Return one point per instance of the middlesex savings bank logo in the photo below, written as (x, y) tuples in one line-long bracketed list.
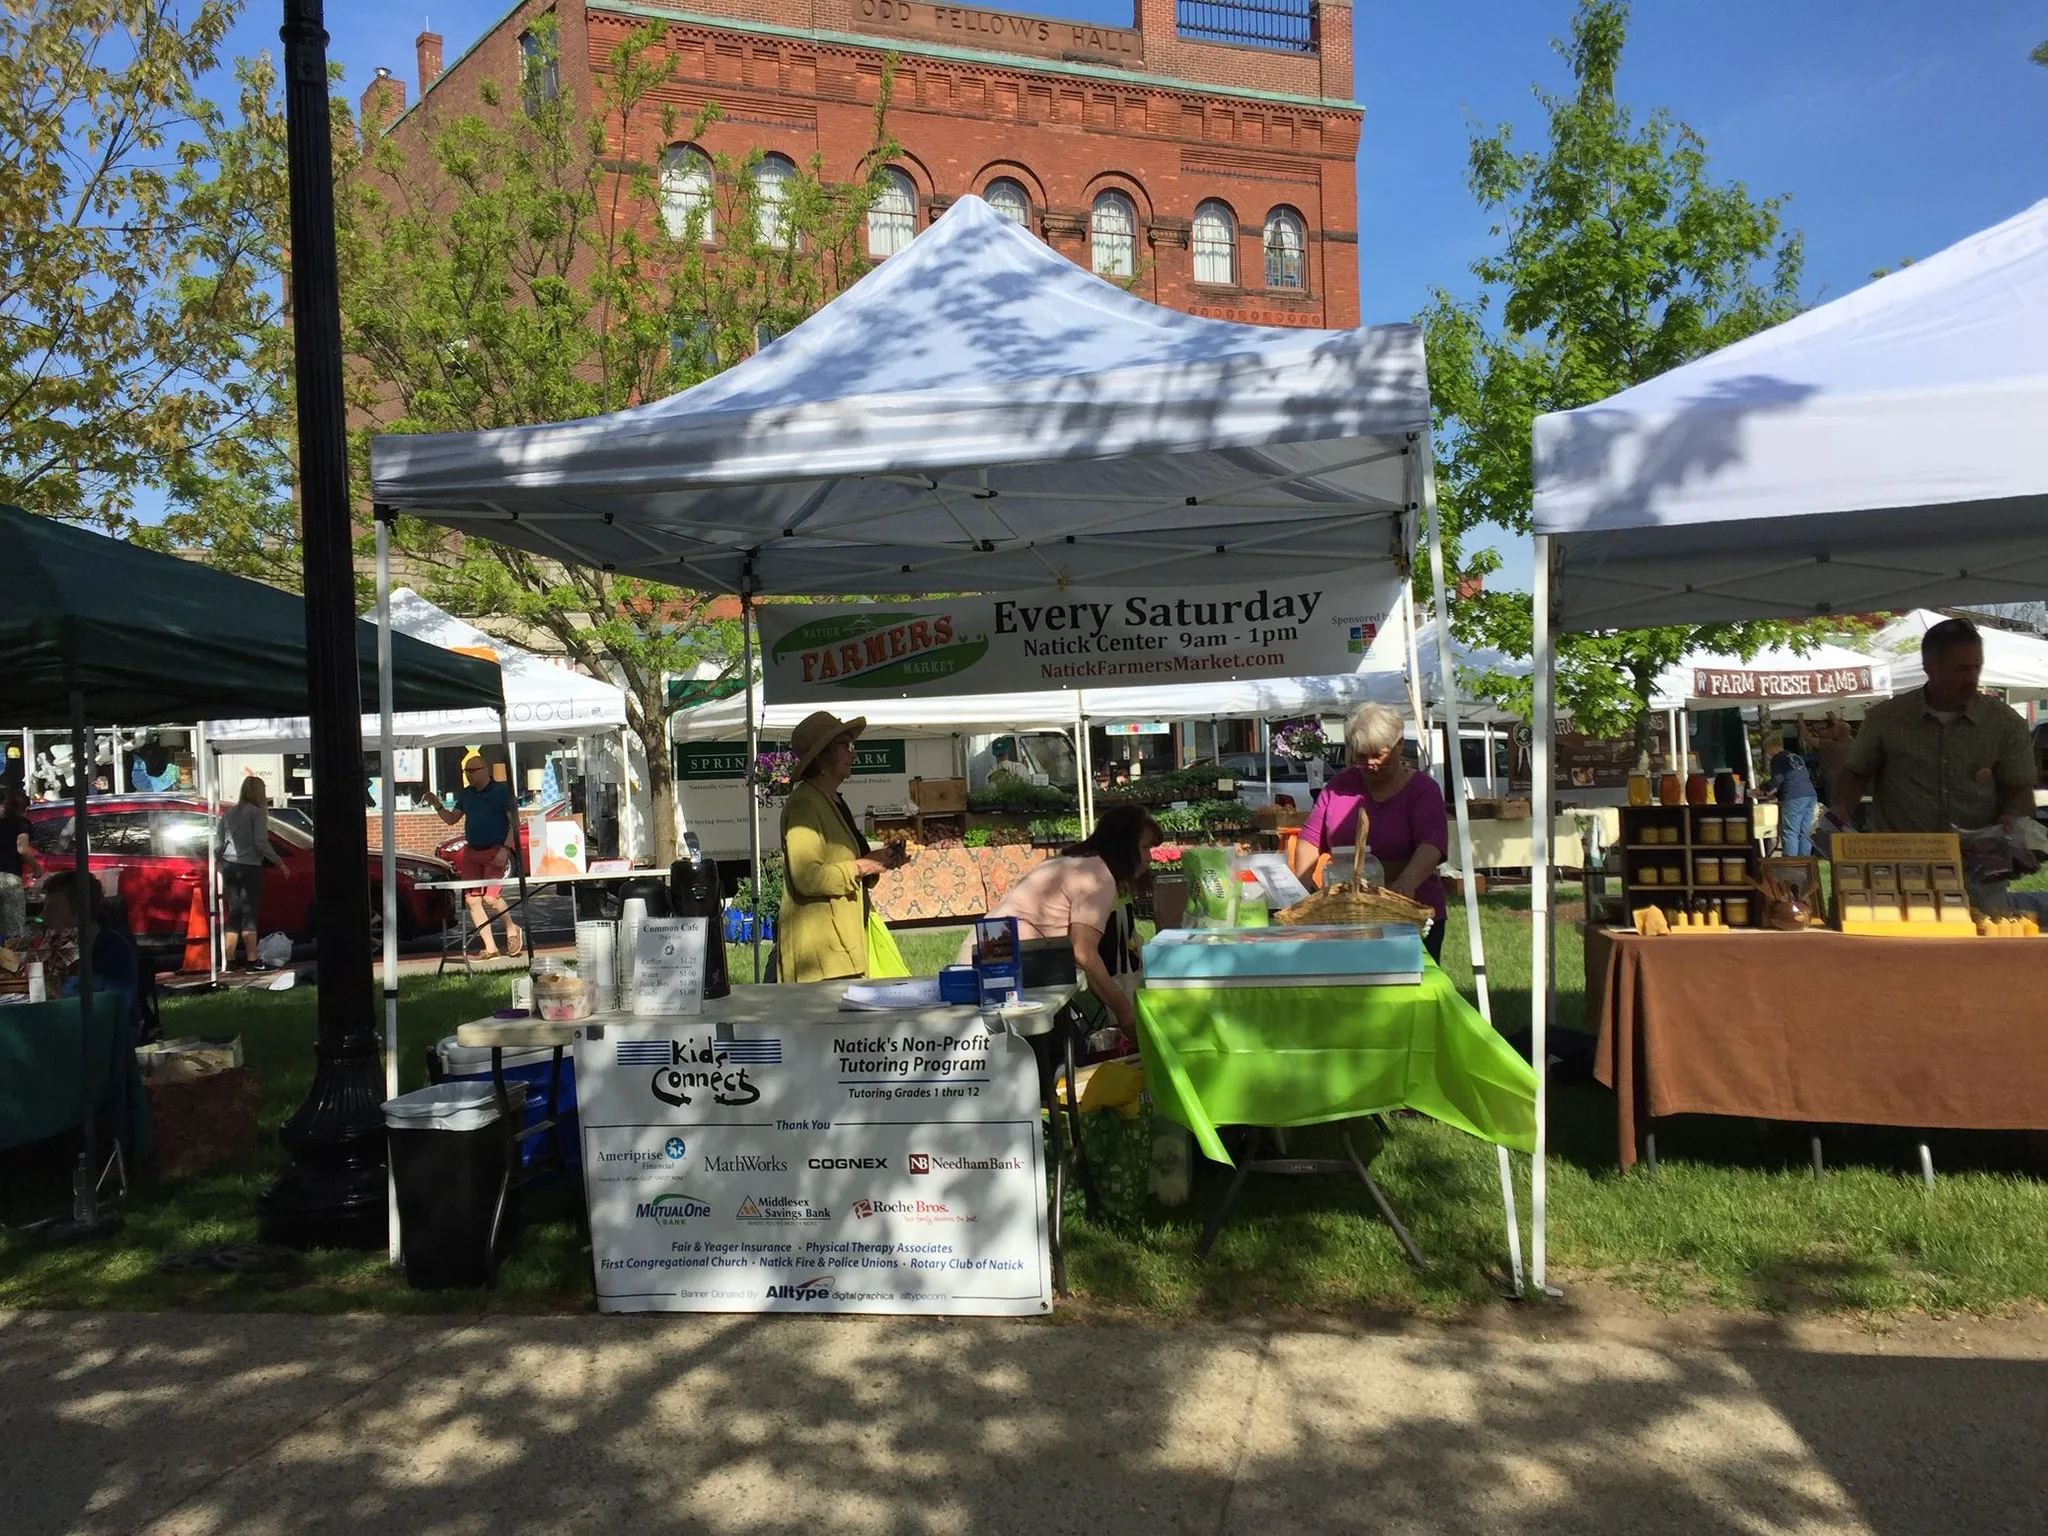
[(880, 650)]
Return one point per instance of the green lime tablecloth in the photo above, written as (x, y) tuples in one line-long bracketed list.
[(40, 1072), (1281, 1056)]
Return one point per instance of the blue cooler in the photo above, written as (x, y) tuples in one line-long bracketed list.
[(467, 1063)]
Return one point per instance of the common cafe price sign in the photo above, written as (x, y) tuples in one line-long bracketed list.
[(879, 1164), (1075, 637)]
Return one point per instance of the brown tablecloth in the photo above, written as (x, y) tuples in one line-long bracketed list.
[(1826, 1028)]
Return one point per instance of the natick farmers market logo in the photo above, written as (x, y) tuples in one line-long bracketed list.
[(880, 650)]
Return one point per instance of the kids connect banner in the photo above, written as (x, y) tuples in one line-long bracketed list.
[(1078, 637)]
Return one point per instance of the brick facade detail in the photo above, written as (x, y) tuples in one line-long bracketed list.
[(1070, 110)]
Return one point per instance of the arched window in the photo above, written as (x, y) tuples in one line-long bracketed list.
[(1286, 245), (1009, 199), (1113, 235), (686, 193), (892, 219), (772, 177), (1215, 242)]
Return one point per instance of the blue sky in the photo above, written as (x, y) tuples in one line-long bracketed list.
[(1895, 126)]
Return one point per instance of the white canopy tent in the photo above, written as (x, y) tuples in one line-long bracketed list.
[(976, 414), (2015, 662), (542, 700), (1886, 448)]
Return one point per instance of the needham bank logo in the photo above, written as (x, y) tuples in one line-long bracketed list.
[(672, 1210), (817, 1288), (721, 1065), (939, 1162), (880, 650)]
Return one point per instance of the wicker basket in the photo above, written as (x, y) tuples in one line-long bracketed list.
[(1354, 903)]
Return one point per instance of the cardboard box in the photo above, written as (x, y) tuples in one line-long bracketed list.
[(938, 795)]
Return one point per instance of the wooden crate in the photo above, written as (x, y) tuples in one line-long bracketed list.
[(1667, 838), (939, 795)]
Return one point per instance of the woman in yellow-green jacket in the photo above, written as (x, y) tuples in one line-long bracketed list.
[(828, 867)]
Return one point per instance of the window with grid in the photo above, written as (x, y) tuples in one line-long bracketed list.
[(686, 192), (771, 199), (1215, 243), (1009, 199), (892, 220), (1286, 247), (1113, 235), (540, 71)]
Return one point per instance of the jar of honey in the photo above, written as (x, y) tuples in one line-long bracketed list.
[(1706, 870), (1711, 828), (1670, 789), (1699, 789), (1735, 911)]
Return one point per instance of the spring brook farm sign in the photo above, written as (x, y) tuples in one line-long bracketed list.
[(1093, 637)]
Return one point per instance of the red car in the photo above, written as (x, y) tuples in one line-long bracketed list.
[(151, 851)]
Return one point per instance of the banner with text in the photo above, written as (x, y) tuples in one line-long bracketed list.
[(1081, 637), (886, 1164)]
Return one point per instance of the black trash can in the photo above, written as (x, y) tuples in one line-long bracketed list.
[(448, 1161)]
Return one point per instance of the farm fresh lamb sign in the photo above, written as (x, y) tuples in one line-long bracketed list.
[(1079, 637)]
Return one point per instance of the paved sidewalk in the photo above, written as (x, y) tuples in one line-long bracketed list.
[(181, 1423)]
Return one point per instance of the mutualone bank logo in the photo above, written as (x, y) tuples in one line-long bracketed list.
[(879, 650), (672, 1209), (720, 1065)]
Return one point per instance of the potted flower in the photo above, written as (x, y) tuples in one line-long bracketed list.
[(1303, 741), (770, 776)]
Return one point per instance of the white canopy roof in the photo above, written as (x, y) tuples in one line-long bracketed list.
[(1889, 447), (977, 413), (2015, 662), (542, 700), (1788, 679)]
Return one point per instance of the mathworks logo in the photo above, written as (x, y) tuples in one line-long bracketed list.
[(817, 1288), (672, 1210)]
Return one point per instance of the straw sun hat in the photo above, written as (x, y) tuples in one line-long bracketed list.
[(816, 733)]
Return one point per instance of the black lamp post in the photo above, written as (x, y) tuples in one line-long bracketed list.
[(333, 1195)]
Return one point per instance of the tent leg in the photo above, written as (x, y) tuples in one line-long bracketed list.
[(1545, 711), (1084, 754), (207, 770), (518, 821), (1447, 685), (1266, 742), (753, 757), (388, 806), (86, 1221)]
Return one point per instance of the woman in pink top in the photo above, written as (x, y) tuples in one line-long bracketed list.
[(1399, 812), (1074, 895)]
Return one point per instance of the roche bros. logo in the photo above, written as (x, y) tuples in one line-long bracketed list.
[(879, 650)]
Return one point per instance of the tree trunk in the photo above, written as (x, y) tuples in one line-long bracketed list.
[(647, 716)]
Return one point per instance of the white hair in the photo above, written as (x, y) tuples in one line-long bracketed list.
[(1372, 728)]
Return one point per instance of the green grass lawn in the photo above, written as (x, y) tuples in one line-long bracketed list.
[(1734, 1218)]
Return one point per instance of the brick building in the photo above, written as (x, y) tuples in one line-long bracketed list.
[(1205, 153)]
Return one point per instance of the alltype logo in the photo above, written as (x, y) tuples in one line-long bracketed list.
[(672, 1210), (817, 1288)]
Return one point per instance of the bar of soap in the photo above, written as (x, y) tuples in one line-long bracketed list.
[(1849, 877), (1884, 877), (1920, 909)]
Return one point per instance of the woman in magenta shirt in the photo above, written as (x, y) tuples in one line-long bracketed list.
[(1406, 826)]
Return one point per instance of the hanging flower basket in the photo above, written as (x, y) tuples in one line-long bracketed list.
[(770, 778), (1301, 742)]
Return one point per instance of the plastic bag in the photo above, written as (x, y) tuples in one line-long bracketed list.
[(275, 949), (1994, 854)]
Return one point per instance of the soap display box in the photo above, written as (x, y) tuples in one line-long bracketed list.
[(1382, 955)]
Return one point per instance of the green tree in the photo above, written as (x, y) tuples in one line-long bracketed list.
[(1619, 258), (505, 267), (128, 288)]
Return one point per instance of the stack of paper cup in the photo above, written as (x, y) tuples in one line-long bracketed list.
[(597, 944), (632, 913)]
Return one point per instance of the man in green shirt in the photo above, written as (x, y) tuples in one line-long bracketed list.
[(1944, 756)]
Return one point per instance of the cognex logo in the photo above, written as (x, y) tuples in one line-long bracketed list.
[(880, 650), (672, 1210), (817, 1288), (827, 1163)]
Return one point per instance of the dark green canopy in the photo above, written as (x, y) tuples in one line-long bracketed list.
[(150, 637)]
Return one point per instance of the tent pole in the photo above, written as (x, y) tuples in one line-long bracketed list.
[(1424, 469), (388, 807), (86, 1220), (1545, 711), (753, 757), (518, 824), (1425, 748), (1266, 742), (208, 770)]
